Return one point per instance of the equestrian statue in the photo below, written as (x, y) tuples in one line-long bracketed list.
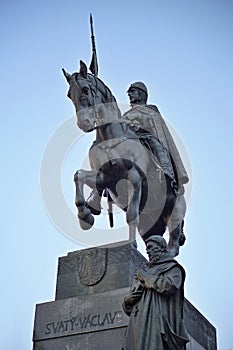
[(134, 159)]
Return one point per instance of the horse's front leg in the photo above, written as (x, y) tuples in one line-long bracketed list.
[(81, 178), (134, 198)]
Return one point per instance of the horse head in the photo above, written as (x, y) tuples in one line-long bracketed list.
[(94, 103)]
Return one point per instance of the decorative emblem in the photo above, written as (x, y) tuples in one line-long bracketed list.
[(92, 266)]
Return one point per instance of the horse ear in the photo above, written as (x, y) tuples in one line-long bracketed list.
[(83, 69), (67, 75)]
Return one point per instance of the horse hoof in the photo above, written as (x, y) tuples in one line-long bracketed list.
[(182, 239), (85, 225), (86, 220)]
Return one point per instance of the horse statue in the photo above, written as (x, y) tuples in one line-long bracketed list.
[(121, 166)]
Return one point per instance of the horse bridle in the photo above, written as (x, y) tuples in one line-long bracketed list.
[(94, 98), (98, 121)]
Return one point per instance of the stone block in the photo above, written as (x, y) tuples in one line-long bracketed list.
[(87, 312), (97, 270), (80, 315)]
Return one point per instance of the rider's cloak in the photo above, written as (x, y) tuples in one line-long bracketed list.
[(148, 118)]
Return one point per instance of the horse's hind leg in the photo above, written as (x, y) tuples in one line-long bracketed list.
[(134, 196), (175, 224)]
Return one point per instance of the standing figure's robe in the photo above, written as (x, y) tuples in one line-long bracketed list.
[(156, 318)]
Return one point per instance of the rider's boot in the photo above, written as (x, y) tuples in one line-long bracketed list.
[(162, 155), (94, 202)]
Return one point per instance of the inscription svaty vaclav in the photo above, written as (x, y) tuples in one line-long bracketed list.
[(77, 323)]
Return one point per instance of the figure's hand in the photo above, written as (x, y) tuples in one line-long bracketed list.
[(132, 298), (139, 275), (135, 126)]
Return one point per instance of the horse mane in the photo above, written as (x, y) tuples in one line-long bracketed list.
[(106, 94)]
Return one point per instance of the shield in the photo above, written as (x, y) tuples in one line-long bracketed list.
[(92, 266)]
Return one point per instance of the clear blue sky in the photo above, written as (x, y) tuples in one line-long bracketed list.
[(183, 51)]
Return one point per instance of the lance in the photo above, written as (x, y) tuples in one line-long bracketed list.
[(94, 64)]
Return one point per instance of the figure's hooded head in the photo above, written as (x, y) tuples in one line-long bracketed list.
[(156, 247), (138, 93)]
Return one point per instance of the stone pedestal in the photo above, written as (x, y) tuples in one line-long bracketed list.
[(87, 312)]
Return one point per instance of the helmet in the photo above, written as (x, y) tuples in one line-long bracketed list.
[(139, 85)]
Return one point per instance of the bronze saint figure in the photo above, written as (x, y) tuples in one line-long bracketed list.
[(155, 303)]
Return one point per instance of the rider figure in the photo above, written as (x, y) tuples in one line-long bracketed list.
[(149, 125), (152, 130)]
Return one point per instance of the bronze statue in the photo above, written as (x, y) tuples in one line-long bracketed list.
[(123, 151), (155, 303)]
